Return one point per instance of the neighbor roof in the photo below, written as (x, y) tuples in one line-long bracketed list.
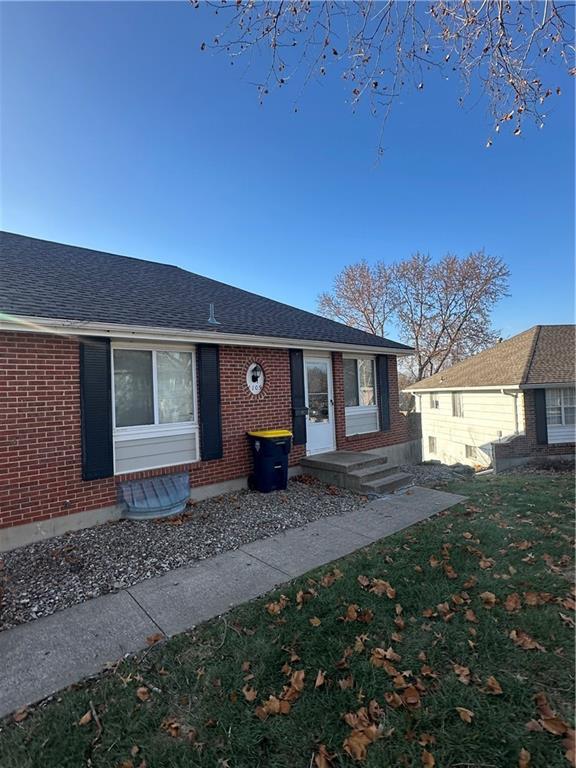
[(543, 354), (44, 279)]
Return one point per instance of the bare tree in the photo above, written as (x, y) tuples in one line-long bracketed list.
[(362, 297), (378, 47), (442, 309)]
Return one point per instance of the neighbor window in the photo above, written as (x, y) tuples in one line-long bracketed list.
[(359, 382), (471, 452), (457, 404), (434, 400), (560, 406), (152, 387), (431, 444)]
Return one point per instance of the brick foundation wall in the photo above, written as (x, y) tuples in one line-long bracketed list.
[(40, 432), (527, 445), (399, 431)]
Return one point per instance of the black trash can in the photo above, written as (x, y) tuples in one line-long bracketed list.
[(270, 449)]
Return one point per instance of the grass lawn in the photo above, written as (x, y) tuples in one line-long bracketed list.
[(471, 610)]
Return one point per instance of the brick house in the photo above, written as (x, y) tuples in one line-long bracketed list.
[(505, 406), (116, 369)]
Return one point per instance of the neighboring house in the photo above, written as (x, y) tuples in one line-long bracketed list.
[(508, 404), (117, 369)]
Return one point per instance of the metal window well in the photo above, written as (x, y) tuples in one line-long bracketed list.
[(155, 496)]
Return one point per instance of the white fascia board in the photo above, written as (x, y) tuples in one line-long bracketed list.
[(117, 331), (495, 388)]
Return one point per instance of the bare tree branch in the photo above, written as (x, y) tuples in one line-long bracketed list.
[(503, 48)]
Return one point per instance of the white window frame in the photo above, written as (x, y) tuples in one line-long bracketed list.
[(457, 411), (434, 401), (432, 440), (562, 406), (470, 451), (351, 410), (157, 429)]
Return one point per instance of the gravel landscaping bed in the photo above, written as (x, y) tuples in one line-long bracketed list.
[(433, 474), (42, 578)]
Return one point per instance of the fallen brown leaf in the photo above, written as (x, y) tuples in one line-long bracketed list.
[(462, 672), (275, 608), (411, 697), (143, 693), (86, 718), (493, 686), (380, 587), (554, 725), (513, 603), (488, 599), (322, 758), (155, 638), (427, 759), (465, 714), (523, 640), (524, 758), (250, 693), (315, 621)]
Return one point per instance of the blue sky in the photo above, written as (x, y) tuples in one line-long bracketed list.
[(119, 134)]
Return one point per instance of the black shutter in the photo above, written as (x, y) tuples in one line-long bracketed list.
[(383, 388), (540, 416), (96, 408), (208, 356), (299, 410)]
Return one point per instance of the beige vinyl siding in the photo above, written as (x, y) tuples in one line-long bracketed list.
[(154, 452), (486, 416), (361, 420)]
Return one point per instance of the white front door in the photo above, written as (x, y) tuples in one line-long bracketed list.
[(320, 403)]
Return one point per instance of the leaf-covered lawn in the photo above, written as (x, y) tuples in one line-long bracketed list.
[(450, 644)]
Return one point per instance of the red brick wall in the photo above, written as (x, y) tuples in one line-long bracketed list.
[(527, 444), (399, 431), (40, 440)]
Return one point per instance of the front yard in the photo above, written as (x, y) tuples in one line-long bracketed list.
[(450, 644)]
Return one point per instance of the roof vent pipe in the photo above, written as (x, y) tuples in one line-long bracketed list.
[(211, 319)]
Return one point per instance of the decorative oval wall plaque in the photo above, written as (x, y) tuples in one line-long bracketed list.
[(255, 378)]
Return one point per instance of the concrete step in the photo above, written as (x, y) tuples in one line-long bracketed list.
[(358, 477), (341, 462), (387, 484)]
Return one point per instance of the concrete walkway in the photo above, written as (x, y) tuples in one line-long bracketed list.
[(43, 656)]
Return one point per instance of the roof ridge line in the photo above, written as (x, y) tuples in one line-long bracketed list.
[(531, 355)]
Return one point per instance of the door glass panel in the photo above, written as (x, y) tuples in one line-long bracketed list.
[(317, 378), (317, 381), (133, 388)]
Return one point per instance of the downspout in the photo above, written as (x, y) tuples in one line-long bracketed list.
[(515, 396)]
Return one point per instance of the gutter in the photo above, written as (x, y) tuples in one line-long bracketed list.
[(30, 324)]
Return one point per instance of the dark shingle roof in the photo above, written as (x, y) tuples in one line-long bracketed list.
[(543, 354), (44, 279)]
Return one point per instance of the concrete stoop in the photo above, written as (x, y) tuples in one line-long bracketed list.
[(364, 472)]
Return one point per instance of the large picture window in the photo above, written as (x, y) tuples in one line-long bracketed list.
[(560, 406), (152, 387), (359, 382)]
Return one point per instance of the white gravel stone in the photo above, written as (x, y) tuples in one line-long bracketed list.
[(79, 565)]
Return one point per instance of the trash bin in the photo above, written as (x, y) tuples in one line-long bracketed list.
[(270, 449)]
